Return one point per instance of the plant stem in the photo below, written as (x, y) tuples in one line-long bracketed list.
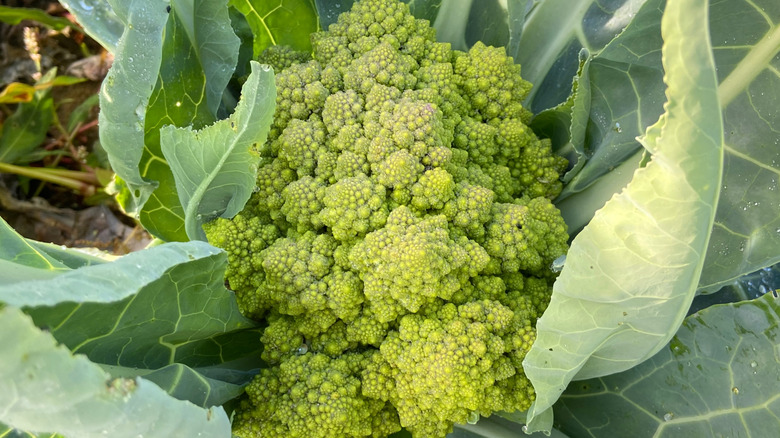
[(79, 181)]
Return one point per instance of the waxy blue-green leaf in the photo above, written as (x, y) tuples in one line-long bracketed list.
[(210, 40), (617, 94), (566, 125), (464, 22), (279, 22), (100, 283), (184, 383), (623, 85), (554, 33), (98, 20), (45, 388), (517, 10), (72, 258), (16, 251), (488, 22), (632, 273), (425, 9), (160, 306), (10, 432), (22, 259), (125, 93), (215, 167), (625, 82), (200, 52), (141, 93), (499, 426), (328, 11), (717, 377), (156, 312), (746, 46)]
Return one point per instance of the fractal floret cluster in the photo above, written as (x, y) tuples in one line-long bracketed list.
[(398, 245)]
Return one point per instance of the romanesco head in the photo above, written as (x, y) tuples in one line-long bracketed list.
[(399, 241)]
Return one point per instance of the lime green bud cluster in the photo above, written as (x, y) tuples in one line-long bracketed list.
[(398, 244)]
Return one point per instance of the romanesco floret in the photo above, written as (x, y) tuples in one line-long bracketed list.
[(303, 203), (272, 178), (282, 57), (397, 248), (412, 261), (300, 144), (291, 95), (447, 366), (309, 396), (492, 83), (353, 207), (525, 236), (478, 139), (243, 238), (432, 190), (294, 269)]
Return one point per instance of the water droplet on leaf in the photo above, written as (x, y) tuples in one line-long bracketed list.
[(557, 264)]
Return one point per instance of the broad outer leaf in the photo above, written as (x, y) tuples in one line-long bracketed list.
[(626, 82), (153, 311), (488, 22), (279, 22), (200, 66), (98, 20), (555, 32), (517, 10), (498, 426), (200, 52), (100, 283), (717, 377), (44, 388), (125, 93), (625, 92), (20, 252), (425, 9), (746, 236), (215, 167), (184, 383), (212, 43), (183, 314), (566, 124), (453, 21), (9, 432), (71, 257), (631, 274), (22, 259)]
